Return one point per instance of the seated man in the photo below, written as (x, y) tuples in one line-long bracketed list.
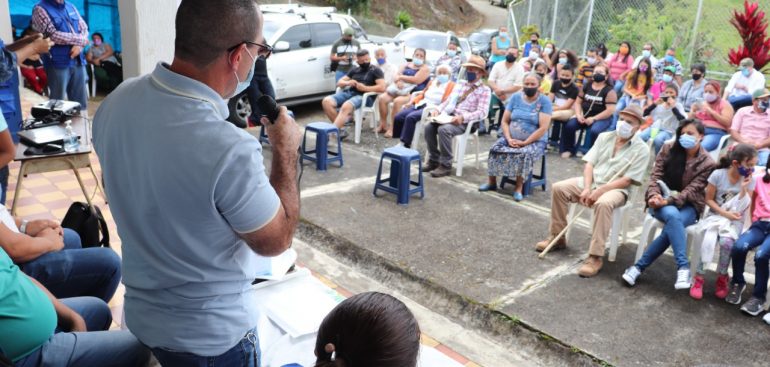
[(54, 256), (364, 78), (467, 104), (36, 329), (751, 125), (743, 82), (505, 79), (617, 160)]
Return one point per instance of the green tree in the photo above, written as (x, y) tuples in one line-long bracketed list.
[(403, 19), (355, 6)]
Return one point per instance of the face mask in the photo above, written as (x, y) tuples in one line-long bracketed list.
[(710, 98), (470, 76), (242, 85), (563, 60), (696, 76), (443, 78), (541, 75), (591, 60), (530, 92), (503, 35), (97, 42), (548, 50), (669, 59), (534, 42), (646, 54), (364, 65), (625, 130), (417, 61), (565, 81), (510, 58), (346, 40), (532, 55), (600, 77), (743, 171), (687, 141), (381, 61), (763, 106), (623, 50), (643, 68), (746, 72), (451, 52), (667, 78)]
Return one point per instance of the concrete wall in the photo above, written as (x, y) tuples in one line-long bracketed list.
[(147, 28)]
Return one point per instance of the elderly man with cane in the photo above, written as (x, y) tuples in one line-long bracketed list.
[(615, 162)]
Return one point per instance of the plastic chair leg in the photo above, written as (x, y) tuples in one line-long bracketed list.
[(460, 154), (357, 119), (617, 218)]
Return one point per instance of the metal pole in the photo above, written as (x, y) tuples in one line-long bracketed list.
[(588, 28), (515, 26), (529, 12), (694, 34), (553, 20)]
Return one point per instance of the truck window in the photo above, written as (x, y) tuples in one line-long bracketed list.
[(298, 37), (325, 34)]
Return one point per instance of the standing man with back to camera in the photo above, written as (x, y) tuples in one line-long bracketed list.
[(189, 192)]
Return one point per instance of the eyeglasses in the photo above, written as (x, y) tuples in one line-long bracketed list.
[(264, 50)]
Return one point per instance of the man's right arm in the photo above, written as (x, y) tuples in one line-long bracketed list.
[(22, 248), (43, 24)]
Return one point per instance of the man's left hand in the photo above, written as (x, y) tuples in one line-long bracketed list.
[(34, 227), (595, 195), (75, 51), (457, 119)]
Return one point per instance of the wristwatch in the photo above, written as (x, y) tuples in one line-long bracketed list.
[(23, 226)]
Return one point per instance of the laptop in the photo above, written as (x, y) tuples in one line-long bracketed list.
[(43, 135)]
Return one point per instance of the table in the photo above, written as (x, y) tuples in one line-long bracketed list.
[(58, 162)]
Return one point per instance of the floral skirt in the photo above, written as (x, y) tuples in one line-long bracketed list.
[(513, 162)]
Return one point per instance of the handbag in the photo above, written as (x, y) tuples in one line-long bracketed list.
[(88, 222)]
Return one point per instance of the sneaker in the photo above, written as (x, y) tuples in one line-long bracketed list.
[(696, 291), (753, 306), (631, 274), (517, 196), (561, 244), (682, 279), (736, 290), (566, 155), (442, 171), (722, 286), (487, 187), (430, 166), (591, 266), (766, 318), (343, 134)]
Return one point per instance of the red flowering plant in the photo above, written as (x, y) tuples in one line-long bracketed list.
[(752, 27)]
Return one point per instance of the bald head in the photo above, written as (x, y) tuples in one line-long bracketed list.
[(205, 29)]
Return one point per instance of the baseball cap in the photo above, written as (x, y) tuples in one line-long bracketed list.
[(760, 93), (349, 32)]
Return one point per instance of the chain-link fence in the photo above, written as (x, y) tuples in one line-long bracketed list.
[(699, 30)]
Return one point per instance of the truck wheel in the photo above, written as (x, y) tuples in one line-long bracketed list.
[(240, 110)]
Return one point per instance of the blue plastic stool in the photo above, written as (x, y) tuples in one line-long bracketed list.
[(321, 154), (399, 182), (532, 180)]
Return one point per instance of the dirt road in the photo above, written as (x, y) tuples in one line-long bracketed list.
[(494, 16)]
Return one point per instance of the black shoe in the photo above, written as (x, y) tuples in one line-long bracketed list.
[(753, 306), (343, 134), (430, 166), (442, 171)]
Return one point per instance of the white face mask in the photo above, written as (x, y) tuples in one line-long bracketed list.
[(624, 130)]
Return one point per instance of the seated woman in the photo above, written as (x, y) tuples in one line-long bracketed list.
[(525, 124), (657, 88), (369, 329), (716, 114), (666, 113), (32, 68), (638, 83), (549, 53), (566, 57), (437, 91), (692, 90), (107, 70), (684, 167), (541, 69), (412, 77)]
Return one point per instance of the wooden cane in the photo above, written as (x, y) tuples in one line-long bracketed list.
[(577, 215)]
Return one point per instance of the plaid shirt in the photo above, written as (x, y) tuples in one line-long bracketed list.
[(474, 107), (42, 23)]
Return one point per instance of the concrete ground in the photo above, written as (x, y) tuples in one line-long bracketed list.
[(469, 256)]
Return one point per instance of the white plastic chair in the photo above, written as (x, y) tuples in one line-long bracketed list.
[(421, 126), (650, 228), (460, 142), (723, 143), (360, 113)]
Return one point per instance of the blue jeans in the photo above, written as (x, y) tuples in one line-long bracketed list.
[(740, 101), (567, 143), (619, 87), (93, 348), (339, 75), (674, 234), (659, 140), (75, 271), (404, 124), (711, 139), (243, 354), (4, 173), (757, 235), (68, 83)]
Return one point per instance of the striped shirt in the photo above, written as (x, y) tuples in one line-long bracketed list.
[(42, 23)]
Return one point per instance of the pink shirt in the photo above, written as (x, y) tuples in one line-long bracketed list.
[(708, 120), (762, 205), (618, 66), (752, 126)]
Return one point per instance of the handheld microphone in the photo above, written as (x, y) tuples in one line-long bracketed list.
[(268, 107)]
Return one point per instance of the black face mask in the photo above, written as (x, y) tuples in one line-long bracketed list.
[(510, 58), (565, 81), (600, 77), (530, 92), (534, 42), (364, 65), (541, 75), (696, 76)]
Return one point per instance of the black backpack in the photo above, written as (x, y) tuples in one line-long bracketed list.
[(87, 223)]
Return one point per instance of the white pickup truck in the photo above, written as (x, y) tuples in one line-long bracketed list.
[(299, 67)]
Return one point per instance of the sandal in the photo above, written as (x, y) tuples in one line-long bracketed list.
[(388, 134), (377, 130)]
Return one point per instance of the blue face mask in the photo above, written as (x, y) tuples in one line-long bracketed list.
[(746, 72), (443, 78), (242, 85), (417, 61), (687, 141), (669, 59), (743, 171), (381, 61), (470, 76), (667, 78), (451, 52)]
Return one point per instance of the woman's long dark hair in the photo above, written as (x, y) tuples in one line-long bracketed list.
[(740, 153), (369, 330), (647, 73), (766, 177), (674, 167)]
